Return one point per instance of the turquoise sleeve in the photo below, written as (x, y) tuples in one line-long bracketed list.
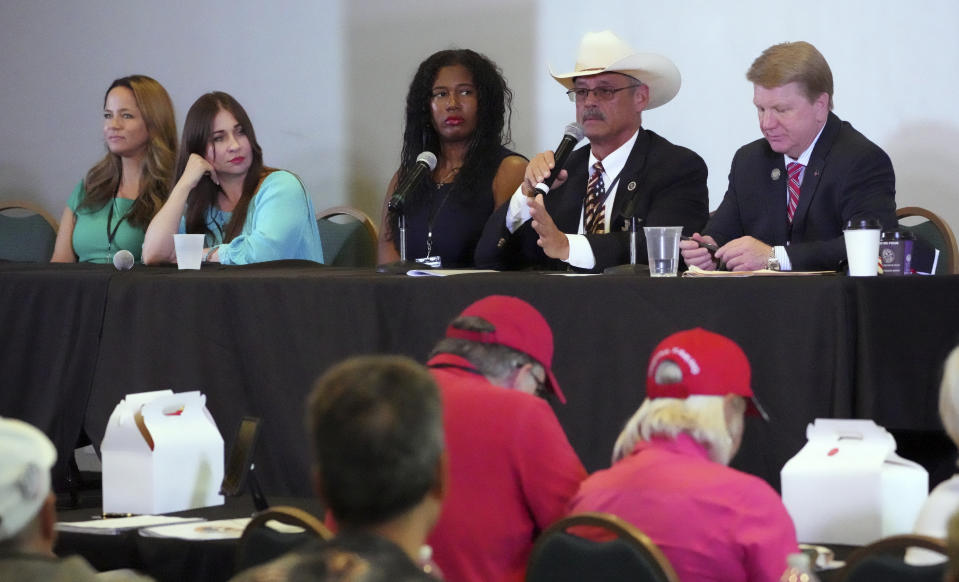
[(76, 197), (280, 224)]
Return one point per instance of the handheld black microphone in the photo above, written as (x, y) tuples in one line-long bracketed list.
[(425, 162), (123, 260), (574, 134)]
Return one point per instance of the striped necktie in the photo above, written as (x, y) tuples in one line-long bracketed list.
[(795, 171), (594, 214)]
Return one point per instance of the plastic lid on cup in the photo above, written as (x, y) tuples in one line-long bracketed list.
[(863, 224), (897, 234)]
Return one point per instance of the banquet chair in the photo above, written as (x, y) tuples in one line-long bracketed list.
[(882, 561), (27, 232), (597, 546), (936, 232), (348, 236), (261, 543)]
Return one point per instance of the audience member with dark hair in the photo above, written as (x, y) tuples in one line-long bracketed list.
[(377, 433), (670, 476), (249, 213), (28, 513), (112, 206), (458, 107), (512, 469)]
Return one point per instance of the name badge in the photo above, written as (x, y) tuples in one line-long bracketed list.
[(433, 261)]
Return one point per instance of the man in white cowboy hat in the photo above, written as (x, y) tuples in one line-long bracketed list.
[(792, 192), (28, 512), (625, 171)]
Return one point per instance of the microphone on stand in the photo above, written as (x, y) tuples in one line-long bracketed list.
[(633, 267), (574, 134), (425, 163)]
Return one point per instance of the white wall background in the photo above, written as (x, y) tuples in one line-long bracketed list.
[(324, 81)]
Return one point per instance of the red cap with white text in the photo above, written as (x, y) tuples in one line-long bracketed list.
[(711, 365)]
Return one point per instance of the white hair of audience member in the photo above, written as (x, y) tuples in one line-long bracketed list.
[(944, 499), (701, 417), (949, 396)]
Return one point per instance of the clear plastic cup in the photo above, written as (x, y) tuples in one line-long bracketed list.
[(662, 246), (189, 250)]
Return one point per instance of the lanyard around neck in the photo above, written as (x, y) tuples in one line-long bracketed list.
[(112, 234), (612, 185), (432, 212)]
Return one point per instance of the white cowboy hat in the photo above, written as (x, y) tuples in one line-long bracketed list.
[(604, 52)]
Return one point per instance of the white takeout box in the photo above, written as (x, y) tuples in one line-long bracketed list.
[(162, 452), (847, 485)]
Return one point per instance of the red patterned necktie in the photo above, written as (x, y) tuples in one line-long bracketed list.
[(594, 211), (795, 170)]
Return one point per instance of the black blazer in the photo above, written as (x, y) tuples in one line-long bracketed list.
[(665, 183), (848, 177)]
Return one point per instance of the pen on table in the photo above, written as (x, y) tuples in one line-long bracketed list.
[(112, 515)]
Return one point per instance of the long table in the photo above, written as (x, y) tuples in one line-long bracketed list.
[(77, 338)]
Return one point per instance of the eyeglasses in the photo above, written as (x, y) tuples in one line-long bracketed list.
[(542, 390), (601, 93)]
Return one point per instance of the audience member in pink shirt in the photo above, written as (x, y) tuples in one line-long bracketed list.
[(670, 476)]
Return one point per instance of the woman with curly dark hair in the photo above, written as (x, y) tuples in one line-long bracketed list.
[(458, 107), (111, 207)]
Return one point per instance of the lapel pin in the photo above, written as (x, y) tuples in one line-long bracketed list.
[(775, 174), (631, 186)]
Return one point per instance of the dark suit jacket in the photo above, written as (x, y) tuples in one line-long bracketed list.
[(665, 183), (848, 177)]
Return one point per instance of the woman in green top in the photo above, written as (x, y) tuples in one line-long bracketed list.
[(111, 207)]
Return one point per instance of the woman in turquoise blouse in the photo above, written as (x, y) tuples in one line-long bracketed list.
[(248, 212), (110, 208)]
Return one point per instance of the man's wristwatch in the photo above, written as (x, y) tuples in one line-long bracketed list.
[(772, 263)]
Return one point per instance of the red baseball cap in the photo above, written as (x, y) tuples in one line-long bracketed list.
[(711, 364), (518, 325)]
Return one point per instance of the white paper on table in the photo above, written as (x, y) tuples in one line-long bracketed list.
[(114, 525), (221, 529), (445, 272)]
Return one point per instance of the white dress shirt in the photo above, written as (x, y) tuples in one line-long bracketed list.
[(781, 255), (580, 253)]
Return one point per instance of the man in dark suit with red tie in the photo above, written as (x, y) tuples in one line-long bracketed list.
[(791, 193), (626, 170)]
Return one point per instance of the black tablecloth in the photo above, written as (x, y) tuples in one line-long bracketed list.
[(168, 559), (50, 323), (253, 339)]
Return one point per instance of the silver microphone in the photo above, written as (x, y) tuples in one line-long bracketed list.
[(123, 260)]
